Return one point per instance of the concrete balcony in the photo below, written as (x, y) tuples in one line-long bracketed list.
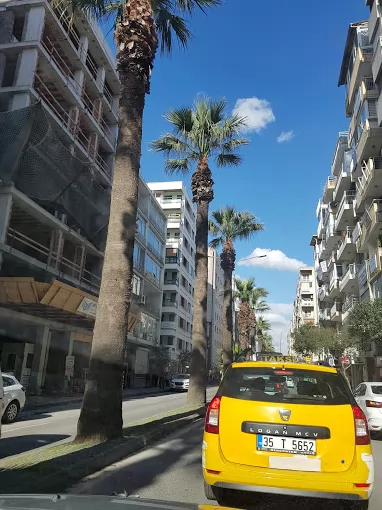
[(323, 293), (168, 325), (336, 312), (346, 250), (377, 60), (370, 142), (362, 67), (329, 188), (374, 267), (362, 275), (324, 315), (308, 321), (345, 211), (343, 183), (349, 282), (374, 18), (333, 236), (168, 303), (371, 224), (323, 271), (369, 184), (349, 304), (342, 145)]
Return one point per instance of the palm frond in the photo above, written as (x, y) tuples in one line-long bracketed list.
[(97, 8), (216, 242), (228, 160), (189, 5), (217, 109), (168, 143), (182, 120), (180, 165), (169, 25), (234, 144)]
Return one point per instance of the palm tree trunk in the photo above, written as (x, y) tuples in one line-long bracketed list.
[(227, 258), (101, 412), (260, 337), (201, 186), (244, 324)]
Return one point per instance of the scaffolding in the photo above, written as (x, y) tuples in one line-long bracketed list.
[(37, 162)]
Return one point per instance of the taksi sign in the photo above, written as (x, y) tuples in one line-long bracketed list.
[(277, 359)]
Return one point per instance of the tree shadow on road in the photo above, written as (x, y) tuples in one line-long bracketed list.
[(15, 445)]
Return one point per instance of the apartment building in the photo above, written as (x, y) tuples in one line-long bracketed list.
[(305, 310), (215, 296), (347, 246), (179, 270)]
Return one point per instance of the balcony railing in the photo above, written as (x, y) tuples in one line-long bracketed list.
[(349, 303), (368, 169), (155, 252), (172, 260), (369, 220), (152, 278), (169, 302), (19, 241), (335, 309), (139, 266), (74, 129), (171, 281), (374, 265), (172, 239), (362, 274), (324, 315), (168, 325), (330, 185), (323, 292)]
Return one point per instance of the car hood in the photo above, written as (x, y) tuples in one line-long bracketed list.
[(72, 502)]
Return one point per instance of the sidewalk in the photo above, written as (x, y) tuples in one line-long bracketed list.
[(38, 402)]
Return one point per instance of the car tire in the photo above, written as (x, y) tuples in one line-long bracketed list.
[(11, 412), (213, 493)]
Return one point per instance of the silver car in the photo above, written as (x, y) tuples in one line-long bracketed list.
[(14, 398), (180, 382)]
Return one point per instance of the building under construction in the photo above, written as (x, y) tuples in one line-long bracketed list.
[(58, 123)]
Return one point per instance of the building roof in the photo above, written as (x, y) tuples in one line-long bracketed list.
[(347, 53)]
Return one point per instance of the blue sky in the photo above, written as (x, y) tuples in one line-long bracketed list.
[(290, 58)]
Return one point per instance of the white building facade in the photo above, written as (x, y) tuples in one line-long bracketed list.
[(179, 270), (215, 296), (305, 310)]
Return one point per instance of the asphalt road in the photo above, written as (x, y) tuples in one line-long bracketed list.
[(171, 471), (57, 424)]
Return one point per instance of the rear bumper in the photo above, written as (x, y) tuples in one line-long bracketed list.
[(289, 492), (221, 473), (375, 424)]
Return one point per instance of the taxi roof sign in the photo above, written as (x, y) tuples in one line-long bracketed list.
[(275, 358)]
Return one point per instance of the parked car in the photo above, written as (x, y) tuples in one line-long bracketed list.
[(14, 398), (368, 396), (180, 382), (1, 399)]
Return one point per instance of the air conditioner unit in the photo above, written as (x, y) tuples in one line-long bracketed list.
[(143, 299)]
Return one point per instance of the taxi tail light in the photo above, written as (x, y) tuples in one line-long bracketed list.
[(212, 416), (362, 436), (373, 403)]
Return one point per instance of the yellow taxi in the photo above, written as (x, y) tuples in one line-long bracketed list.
[(277, 426)]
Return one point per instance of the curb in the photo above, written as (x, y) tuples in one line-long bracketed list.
[(113, 451), (76, 400)]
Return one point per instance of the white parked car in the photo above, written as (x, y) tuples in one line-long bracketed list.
[(368, 396), (14, 398), (180, 382)]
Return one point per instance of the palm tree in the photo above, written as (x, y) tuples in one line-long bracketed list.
[(228, 226), (141, 25), (258, 305), (268, 343), (263, 326), (201, 133), (243, 292)]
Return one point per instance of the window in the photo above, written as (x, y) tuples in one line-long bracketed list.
[(377, 390), (170, 340), (136, 285), (180, 344), (171, 317), (141, 226), (360, 391), (184, 282), (7, 381), (179, 197), (152, 268), (168, 197), (268, 385), (154, 244), (181, 322)]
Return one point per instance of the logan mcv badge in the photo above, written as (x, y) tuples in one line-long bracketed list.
[(285, 414)]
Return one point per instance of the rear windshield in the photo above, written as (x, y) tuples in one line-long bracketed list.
[(377, 390), (294, 386)]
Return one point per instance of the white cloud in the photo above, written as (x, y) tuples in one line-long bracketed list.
[(283, 308), (271, 259), (257, 112), (285, 136)]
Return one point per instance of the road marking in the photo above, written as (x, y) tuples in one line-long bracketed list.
[(5, 431)]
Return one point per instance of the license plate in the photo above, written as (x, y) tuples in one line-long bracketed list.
[(286, 445)]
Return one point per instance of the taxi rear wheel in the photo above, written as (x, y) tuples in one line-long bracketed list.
[(213, 493)]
